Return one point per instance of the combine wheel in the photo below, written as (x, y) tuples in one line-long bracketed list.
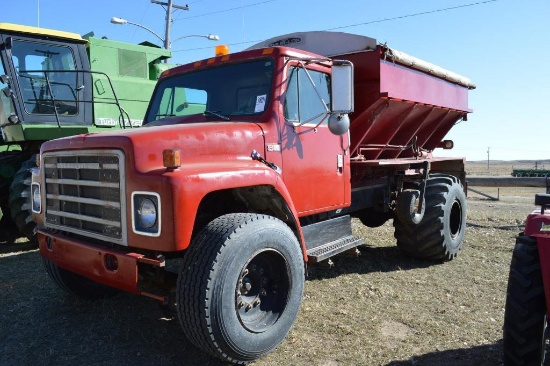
[(439, 235), (77, 285), (525, 333), (240, 286), (20, 199)]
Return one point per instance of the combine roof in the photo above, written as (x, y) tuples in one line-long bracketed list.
[(17, 28)]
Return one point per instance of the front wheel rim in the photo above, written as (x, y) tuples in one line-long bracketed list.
[(455, 219), (262, 290)]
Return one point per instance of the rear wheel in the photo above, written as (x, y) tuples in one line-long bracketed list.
[(240, 286), (20, 200), (525, 331), (439, 234), (77, 285), (372, 218)]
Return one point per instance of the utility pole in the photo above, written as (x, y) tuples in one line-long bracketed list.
[(488, 149), (169, 5)]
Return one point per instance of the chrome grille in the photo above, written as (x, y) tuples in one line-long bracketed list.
[(85, 193)]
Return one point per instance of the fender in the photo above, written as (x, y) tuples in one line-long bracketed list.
[(192, 182), (537, 225)]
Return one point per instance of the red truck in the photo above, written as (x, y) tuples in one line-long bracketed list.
[(250, 166)]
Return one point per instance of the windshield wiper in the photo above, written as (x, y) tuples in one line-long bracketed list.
[(216, 114)]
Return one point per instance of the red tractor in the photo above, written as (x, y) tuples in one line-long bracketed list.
[(526, 330)]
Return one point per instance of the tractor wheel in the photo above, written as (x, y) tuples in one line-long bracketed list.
[(525, 332), (20, 200), (240, 286), (439, 234), (77, 285)]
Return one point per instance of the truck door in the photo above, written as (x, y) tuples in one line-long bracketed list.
[(315, 161)]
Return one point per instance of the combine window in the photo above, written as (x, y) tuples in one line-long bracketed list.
[(45, 77), (6, 103)]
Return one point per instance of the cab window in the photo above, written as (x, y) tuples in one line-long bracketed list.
[(302, 103)]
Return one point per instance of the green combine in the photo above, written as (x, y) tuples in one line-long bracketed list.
[(56, 84)]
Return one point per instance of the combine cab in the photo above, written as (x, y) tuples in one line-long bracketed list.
[(56, 84)]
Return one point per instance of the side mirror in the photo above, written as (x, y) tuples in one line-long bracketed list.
[(338, 124), (342, 87)]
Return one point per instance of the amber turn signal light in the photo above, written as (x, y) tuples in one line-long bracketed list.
[(222, 50), (171, 158)]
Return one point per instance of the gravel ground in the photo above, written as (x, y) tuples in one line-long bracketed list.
[(377, 309)]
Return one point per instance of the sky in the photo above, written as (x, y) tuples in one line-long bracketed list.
[(503, 46)]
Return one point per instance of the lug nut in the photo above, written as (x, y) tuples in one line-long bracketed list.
[(248, 307), (263, 292), (257, 302), (240, 304)]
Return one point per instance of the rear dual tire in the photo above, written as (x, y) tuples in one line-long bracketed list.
[(439, 235)]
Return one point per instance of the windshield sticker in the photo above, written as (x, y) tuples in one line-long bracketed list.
[(260, 103)]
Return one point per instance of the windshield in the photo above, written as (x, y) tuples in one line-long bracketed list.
[(218, 92)]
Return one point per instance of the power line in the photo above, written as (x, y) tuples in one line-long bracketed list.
[(209, 48), (415, 14), (191, 3), (351, 25), (226, 10)]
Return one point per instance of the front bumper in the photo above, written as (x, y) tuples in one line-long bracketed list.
[(110, 267)]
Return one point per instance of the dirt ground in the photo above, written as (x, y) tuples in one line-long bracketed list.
[(381, 308)]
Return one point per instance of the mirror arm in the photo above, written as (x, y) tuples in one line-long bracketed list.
[(315, 88)]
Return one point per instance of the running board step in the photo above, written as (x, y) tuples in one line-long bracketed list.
[(330, 237), (328, 250)]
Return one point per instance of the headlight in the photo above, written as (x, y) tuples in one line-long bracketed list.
[(36, 199), (146, 213)]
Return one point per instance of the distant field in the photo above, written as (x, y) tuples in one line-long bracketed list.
[(503, 168)]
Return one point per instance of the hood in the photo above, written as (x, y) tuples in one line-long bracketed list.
[(198, 142)]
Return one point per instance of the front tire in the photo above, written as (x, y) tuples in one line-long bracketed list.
[(77, 285), (440, 233), (240, 286), (525, 330)]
